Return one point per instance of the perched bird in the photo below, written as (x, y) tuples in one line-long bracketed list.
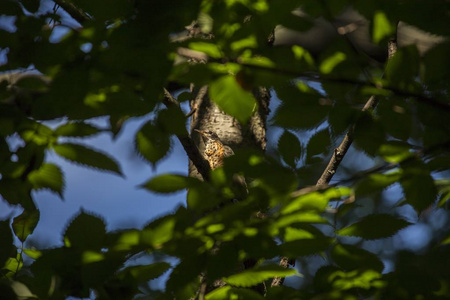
[(215, 153), (215, 150)]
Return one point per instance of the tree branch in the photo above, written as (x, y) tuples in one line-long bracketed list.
[(336, 158), (78, 14), (188, 144)]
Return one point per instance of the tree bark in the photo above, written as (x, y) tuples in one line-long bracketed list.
[(208, 116)]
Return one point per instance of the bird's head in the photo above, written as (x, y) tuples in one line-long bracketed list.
[(208, 135)]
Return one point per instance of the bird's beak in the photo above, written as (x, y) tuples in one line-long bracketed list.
[(200, 131)]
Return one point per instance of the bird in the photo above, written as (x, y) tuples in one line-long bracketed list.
[(215, 152)]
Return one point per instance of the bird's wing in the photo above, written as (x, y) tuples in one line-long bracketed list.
[(227, 151)]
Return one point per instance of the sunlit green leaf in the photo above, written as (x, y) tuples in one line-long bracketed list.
[(331, 62), (382, 28), (375, 183), (395, 151), (374, 227), (158, 232), (48, 176), (92, 158), (256, 275), (230, 97), (210, 49), (228, 292)]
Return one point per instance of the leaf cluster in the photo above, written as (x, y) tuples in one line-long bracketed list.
[(116, 66)]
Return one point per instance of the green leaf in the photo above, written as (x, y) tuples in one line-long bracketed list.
[(257, 275), (158, 232), (301, 107), (418, 186), (228, 292), (24, 224), (77, 129), (375, 183), (318, 144), (211, 49), (350, 257), (48, 176), (374, 227), (151, 143), (403, 68), (148, 272), (172, 120), (382, 28), (86, 232), (369, 134), (31, 5), (88, 157), (332, 61), (169, 183), (7, 249), (395, 151), (443, 186), (290, 148), (305, 247), (232, 99)]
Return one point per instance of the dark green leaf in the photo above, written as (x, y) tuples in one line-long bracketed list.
[(148, 272), (374, 227), (169, 183), (368, 134), (257, 275), (172, 120), (48, 176), (396, 118), (403, 67), (31, 5), (318, 144), (301, 108), (305, 247), (375, 183), (88, 157), (24, 224), (86, 232), (7, 249), (418, 186), (290, 148), (77, 129), (232, 99), (151, 143), (350, 257)]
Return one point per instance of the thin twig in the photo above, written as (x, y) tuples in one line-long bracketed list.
[(336, 158), (78, 14)]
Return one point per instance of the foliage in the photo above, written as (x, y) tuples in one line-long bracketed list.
[(116, 65)]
